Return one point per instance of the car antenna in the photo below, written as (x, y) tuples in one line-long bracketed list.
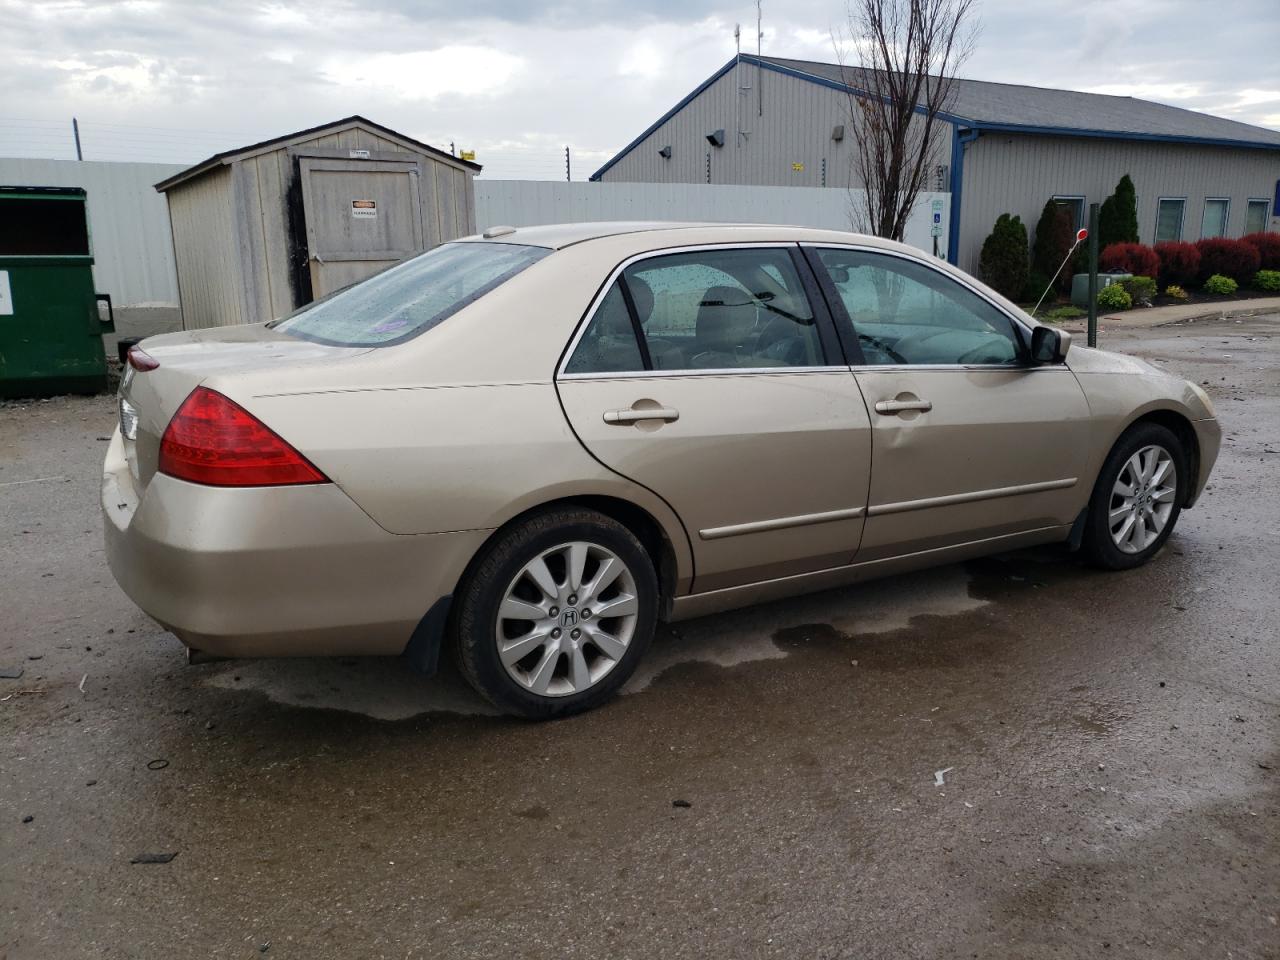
[(1081, 236)]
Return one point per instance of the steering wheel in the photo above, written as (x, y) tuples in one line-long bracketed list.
[(989, 351)]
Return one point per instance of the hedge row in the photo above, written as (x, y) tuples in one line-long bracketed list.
[(1194, 263), (1268, 247)]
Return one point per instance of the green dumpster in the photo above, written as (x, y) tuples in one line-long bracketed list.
[(50, 333)]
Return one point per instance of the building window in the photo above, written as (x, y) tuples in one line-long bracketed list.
[(1255, 216), (1214, 222), (1169, 212), (1076, 206)]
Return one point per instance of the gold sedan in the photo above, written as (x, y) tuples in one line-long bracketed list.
[(531, 446)]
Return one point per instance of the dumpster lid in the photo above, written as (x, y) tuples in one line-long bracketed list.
[(61, 193)]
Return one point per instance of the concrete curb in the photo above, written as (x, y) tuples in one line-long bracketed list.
[(1223, 315), (1146, 318)]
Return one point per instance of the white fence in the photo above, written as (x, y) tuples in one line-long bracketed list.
[(133, 252), (524, 203), (128, 222)]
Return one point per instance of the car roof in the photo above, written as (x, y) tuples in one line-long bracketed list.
[(607, 244), (558, 235)]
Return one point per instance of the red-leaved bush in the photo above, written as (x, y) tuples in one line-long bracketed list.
[(1135, 258), (1231, 258), (1179, 263), (1268, 247)]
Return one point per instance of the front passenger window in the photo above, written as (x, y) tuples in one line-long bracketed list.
[(908, 313)]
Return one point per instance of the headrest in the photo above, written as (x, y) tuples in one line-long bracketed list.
[(641, 296), (725, 317)]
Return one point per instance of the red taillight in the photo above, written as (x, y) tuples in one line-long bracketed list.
[(140, 360), (215, 441)]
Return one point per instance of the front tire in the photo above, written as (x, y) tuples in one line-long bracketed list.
[(557, 614), (1137, 499)]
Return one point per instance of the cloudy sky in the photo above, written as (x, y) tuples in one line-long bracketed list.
[(517, 80)]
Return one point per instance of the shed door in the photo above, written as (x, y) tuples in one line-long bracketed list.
[(362, 216)]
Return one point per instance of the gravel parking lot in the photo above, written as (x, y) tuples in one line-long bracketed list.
[(1017, 757)]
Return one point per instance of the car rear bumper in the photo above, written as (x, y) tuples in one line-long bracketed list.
[(272, 571)]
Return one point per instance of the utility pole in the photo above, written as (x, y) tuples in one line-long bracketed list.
[(75, 132), (567, 171)]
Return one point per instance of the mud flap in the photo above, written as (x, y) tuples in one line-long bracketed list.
[(423, 649), (1077, 531)]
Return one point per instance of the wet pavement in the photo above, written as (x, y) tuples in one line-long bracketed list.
[(1109, 742)]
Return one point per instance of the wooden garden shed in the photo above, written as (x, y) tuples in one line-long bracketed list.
[(267, 228)]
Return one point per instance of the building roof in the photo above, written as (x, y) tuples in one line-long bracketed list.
[(346, 123), (988, 104), (984, 105)]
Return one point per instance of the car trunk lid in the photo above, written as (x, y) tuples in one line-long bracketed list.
[(148, 399)]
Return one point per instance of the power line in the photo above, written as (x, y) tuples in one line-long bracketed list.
[(35, 138)]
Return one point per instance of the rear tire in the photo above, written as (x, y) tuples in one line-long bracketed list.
[(1137, 499), (556, 614)]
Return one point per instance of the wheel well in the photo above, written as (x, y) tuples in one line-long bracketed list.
[(423, 647), (636, 519), (1181, 428), (650, 534)]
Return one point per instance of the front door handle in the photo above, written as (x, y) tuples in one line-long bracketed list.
[(902, 406), (625, 417)]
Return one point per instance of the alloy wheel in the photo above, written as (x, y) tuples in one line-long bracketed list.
[(566, 619), (1142, 499)]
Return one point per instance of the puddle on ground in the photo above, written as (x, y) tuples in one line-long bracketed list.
[(386, 688), (744, 636)]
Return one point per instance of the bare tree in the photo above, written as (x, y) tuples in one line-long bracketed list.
[(907, 54)]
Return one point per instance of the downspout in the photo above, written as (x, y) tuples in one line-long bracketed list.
[(958, 142)]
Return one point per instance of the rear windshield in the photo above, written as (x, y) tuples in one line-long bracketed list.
[(410, 297)]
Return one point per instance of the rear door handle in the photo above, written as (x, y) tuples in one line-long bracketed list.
[(624, 417), (901, 406)]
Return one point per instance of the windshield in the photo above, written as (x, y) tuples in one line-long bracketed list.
[(410, 297)]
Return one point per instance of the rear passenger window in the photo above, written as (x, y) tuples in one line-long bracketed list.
[(609, 343), (706, 310)]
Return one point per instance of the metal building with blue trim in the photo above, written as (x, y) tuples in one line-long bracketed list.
[(1009, 148)]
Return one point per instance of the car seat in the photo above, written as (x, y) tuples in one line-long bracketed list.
[(725, 318)]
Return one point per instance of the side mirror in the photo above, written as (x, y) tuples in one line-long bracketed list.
[(1049, 345)]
